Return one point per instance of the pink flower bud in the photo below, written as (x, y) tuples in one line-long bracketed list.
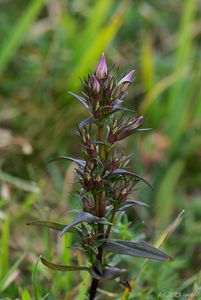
[(95, 84), (101, 70), (137, 122), (127, 79)]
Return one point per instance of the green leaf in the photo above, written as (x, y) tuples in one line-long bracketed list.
[(137, 249), (85, 217), (48, 224), (26, 295), (64, 268)]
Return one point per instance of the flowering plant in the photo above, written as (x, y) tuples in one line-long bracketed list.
[(105, 181)]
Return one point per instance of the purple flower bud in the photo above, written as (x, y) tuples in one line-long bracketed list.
[(127, 79), (95, 84), (111, 138), (87, 204), (123, 195), (129, 128), (101, 70), (137, 122)]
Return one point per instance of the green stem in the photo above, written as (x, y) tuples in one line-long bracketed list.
[(110, 226)]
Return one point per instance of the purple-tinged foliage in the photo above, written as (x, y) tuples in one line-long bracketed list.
[(105, 182), (119, 130)]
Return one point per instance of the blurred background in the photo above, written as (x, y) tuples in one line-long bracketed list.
[(45, 46)]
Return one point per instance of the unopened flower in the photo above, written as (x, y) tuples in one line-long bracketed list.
[(127, 78), (120, 131), (95, 84), (124, 83), (88, 205), (101, 70), (123, 195)]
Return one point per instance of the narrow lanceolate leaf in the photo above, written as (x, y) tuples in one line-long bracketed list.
[(130, 203), (64, 268), (85, 217), (137, 249), (81, 99), (110, 273), (54, 226), (48, 224), (79, 162), (86, 121), (124, 172), (143, 129)]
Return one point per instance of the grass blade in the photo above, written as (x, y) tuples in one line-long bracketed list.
[(5, 247), (164, 201), (16, 36), (8, 278)]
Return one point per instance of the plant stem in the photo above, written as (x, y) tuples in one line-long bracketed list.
[(101, 195), (100, 211), (110, 226)]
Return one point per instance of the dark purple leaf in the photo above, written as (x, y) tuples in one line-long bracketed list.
[(117, 102), (85, 122), (137, 249), (130, 203), (79, 162), (110, 273), (81, 99), (85, 217), (53, 225), (118, 172)]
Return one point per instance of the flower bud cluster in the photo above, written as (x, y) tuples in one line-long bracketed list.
[(118, 193), (102, 175), (103, 92), (121, 129), (89, 148), (103, 97)]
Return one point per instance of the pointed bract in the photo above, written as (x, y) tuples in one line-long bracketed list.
[(127, 78), (95, 84), (101, 70)]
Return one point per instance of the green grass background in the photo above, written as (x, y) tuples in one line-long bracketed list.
[(45, 46)]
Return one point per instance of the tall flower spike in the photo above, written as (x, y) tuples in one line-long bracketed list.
[(101, 70), (105, 184)]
